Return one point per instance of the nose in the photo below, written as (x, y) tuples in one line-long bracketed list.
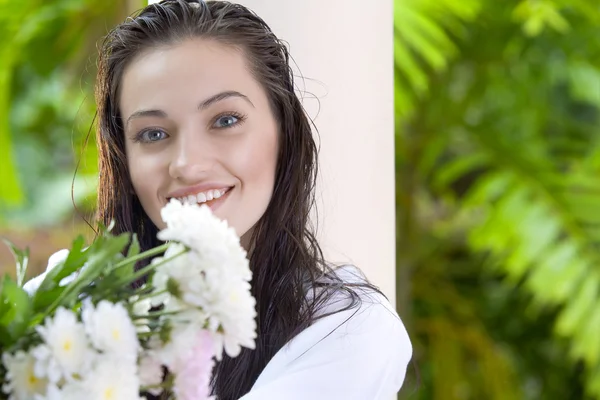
[(192, 157)]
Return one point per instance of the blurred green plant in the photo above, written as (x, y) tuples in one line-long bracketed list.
[(424, 44), (497, 157), (46, 105)]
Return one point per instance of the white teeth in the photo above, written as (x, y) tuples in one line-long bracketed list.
[(203, 197)]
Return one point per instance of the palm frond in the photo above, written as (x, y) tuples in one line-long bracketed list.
[(512, 127), (543, 229), (425, 34)]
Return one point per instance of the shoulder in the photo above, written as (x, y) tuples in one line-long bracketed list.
[(370, 304), (373, 315), (360, 352), (373, 326)]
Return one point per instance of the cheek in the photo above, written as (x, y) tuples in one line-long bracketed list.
[(145, 179), (140, 185), (261, 164), (254, 164), (136, 174)]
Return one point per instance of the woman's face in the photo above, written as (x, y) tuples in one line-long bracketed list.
[(198, 127)]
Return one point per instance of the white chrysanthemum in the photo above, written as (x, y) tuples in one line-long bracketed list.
[(227, 303), (151, 373), (178, 275), (210, 238), (214, 276), (181, 340), (235, 314), (141, 308), (230, 309), (110, 329), (22, 383), (112, 379), (65, 350), (70, 391)]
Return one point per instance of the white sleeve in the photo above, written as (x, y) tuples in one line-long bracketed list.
[(359, 354)]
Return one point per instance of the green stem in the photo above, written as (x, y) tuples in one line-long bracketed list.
[(144, 271), (148, 253), (142, 289), (150, 387), (149, 295), (146, 334), (155, 314), (167, 384)]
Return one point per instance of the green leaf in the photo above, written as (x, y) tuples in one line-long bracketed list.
[(537, 234), (105, 251), (21, 260), (584, 79), (43, 299), (578, 308), (488, 188), (589, 338), (536, 15), (423, 44), (50, 287), (556, 273), (432, 151), (134, 250), (584, 205), (10, 190), (460, 167), (410, 69), (593, 381), (129, 268), (427, 39), (15, 311)]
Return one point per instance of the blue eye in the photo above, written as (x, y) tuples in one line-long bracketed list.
[(151, 135), (227, 120)]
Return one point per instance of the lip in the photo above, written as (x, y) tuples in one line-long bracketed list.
[(203, 187), (216, 203)]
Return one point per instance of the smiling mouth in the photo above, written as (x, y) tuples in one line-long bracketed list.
[(208, 197)]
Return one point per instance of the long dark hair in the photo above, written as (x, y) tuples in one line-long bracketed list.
[(285, 258)]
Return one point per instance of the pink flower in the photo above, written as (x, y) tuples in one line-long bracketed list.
[(193, 370)]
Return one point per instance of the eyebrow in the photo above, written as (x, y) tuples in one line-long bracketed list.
[(222, 96), (203, 105)]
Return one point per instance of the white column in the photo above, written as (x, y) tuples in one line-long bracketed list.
[(344, 49)]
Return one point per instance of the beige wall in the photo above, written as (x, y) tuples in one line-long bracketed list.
[(344, 49)]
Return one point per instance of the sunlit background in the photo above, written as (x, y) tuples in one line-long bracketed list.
[(497, 189)]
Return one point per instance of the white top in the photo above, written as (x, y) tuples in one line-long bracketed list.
[(357, 354)]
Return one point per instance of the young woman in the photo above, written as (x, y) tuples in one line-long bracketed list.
[(196, 101)]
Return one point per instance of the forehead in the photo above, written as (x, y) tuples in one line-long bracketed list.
[(184, 73)]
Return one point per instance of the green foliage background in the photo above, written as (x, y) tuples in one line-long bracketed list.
[(497, 108), (497, 165)]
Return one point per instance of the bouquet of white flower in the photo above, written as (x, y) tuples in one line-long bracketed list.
[(99, 337)]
